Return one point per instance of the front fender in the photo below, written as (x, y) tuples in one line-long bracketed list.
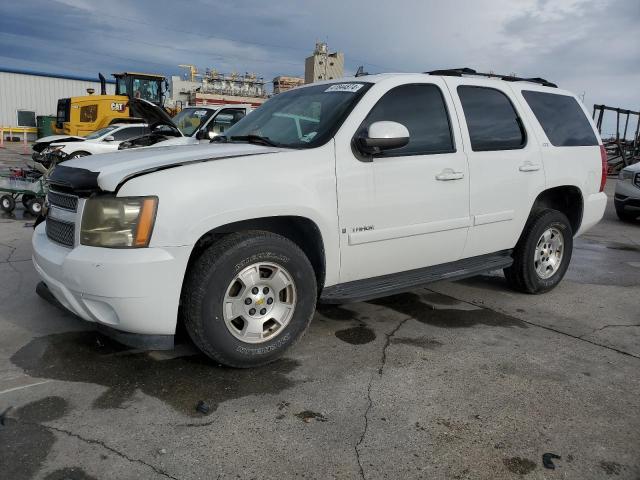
[(195, 199)]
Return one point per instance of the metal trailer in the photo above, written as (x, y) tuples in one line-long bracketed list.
[(26, 185), (621, 152)]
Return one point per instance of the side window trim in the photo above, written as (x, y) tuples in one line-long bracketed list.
[(454, 148), (521, 126)]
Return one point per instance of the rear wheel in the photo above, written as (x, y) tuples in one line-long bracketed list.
[(543, 253), (26, 198), (248, 298), (35, 206), (7, 203)]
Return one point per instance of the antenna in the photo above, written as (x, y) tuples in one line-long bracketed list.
[(361, 72)]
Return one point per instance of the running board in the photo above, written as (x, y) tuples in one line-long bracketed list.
[(370, 288)]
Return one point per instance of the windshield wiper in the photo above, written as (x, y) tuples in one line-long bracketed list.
[(257, 139)]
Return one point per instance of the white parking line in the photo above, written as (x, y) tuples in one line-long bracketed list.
[(24, 386)]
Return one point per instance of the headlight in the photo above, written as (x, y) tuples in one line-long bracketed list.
[(118, 222), (626, 175)]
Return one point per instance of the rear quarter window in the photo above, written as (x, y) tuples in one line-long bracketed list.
[(492, 120), (561, 118)]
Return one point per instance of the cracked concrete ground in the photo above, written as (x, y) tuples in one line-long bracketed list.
[(459, 380)]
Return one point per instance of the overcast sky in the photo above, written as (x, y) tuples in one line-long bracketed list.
[(590, 46)]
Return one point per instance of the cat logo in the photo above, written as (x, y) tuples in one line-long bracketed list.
[(118, 106)]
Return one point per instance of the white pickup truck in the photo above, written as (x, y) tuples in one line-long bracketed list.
[(335, 192)]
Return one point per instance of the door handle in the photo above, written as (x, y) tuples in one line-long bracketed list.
[(529, 167), (448, 174)]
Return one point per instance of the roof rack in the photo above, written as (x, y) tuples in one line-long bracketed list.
[(459, 72)]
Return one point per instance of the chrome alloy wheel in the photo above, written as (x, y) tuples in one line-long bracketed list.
[(549, 252), (259, 302)]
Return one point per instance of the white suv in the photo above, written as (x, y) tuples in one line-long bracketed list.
[(335, 191), (627, 196)]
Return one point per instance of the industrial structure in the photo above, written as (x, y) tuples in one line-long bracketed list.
[(25, 95), (323, 65), (283, 83), (216, 88), (622, 151)]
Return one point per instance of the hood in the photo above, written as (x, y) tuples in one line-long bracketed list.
[(44, 142), (154, 115), (633, 168), (108, 171)]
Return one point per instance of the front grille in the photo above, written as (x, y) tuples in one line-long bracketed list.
[(636, 180), (63, 200), (60, 232)]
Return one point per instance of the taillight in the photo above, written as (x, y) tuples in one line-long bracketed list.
[(605, 166)]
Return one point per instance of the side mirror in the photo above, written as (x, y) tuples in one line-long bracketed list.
[(201, 134), (108, 138), (212, 134), (382, 136)]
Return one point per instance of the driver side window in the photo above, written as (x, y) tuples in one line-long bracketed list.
[(128, 132), (225, 119), (420, 108)]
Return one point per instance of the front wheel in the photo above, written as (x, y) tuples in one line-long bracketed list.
[(7, 203), (543, 253), (78, 155), (248, 298), (624, 215)]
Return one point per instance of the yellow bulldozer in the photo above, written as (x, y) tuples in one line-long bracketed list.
[(83, 115)]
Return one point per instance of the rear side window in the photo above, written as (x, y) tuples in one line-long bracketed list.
[(561, 118), (492, 120), (421, 109)]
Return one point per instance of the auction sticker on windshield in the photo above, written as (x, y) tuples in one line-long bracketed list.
[(345, 87)]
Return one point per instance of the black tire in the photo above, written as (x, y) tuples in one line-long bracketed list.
[(522, 275), (26, 197), (7, 203), (35, 206), (78, 155), (624, 215), (206, 284)]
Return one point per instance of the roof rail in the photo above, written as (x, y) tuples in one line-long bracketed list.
[(459, 72)]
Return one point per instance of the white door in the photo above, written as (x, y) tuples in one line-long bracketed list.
[(406, 208), (505, 165), (119, 136)]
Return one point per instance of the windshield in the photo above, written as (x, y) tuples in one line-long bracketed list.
[(100, 133), (190, 120), (302, 118), (146, 89)]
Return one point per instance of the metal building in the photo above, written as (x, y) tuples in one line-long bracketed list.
[(25, 94), (323, 65)]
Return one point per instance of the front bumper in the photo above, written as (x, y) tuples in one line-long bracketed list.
[(133, 291), (627, 196)]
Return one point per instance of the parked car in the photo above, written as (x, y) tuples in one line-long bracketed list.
[(337, 191), (627, 196), (102, 141), (192, 125)]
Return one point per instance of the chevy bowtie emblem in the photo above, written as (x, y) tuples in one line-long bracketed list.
[(260, 301)]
